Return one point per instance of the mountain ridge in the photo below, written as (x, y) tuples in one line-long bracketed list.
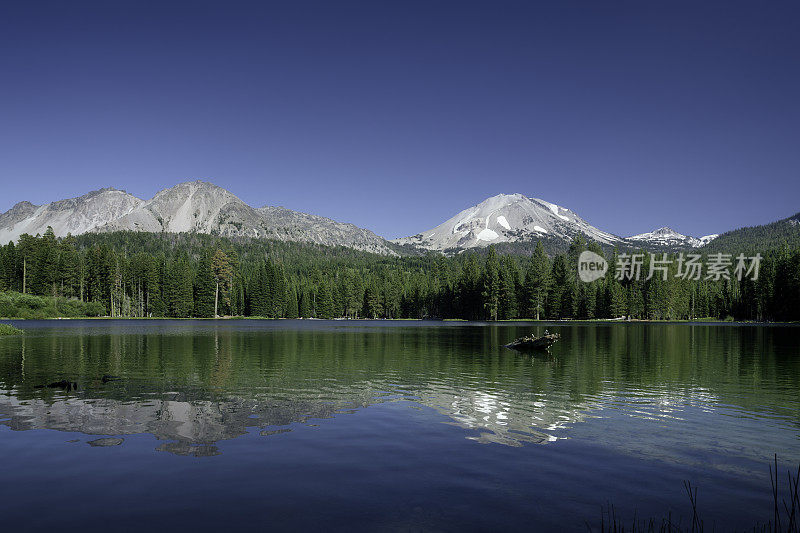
[(72, 215), (192, 206), (669, 238), (514, 222)]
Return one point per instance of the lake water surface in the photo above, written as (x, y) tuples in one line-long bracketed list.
[(390, 426)]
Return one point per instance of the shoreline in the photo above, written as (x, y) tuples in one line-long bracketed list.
[(532, 321)]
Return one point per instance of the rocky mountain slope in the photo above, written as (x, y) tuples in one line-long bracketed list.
[(76, 215), (287, 225), (669, 238), (194, 206), (513, 222), (507, 218)]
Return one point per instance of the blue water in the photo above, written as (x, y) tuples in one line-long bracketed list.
[(343, 426)]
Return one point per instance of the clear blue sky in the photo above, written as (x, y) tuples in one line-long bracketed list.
[(396, 115)]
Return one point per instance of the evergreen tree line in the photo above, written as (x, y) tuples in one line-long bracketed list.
[(190, 275)]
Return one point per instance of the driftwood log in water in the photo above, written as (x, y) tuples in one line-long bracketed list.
[(532, 342)]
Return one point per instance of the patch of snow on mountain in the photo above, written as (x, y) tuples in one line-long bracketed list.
[(487, 235), (554, 208), (503, 222), (708, 238), (540, 229)]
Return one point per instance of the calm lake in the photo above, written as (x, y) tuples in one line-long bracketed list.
[(387, 426)]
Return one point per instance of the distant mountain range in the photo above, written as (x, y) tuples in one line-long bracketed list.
[(514, 222), (194, 206), (669, 238), (516, 218)]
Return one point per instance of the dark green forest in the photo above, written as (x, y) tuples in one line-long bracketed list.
[(750, 239), (129, 274)]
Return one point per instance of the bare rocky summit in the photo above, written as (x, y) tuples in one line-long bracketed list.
[(75, 215), (195, 206), (203, 207)]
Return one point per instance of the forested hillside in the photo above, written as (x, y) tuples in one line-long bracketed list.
[(192, 275), (774, 236)]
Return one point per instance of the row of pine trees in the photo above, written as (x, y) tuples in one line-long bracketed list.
[(151, 275)]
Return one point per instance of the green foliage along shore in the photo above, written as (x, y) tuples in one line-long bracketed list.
[(129, 274), (6, 329), (17, 305)]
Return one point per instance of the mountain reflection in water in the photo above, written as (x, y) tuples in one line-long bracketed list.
[(195, 384)]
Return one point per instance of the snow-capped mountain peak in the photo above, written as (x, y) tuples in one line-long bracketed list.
[(202, 207), (668, 237), (662, 233), (708, 238), (507, 218)]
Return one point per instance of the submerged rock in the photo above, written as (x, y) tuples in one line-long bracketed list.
[(106, 441), (188, 449), (63, 384), (268, 432)]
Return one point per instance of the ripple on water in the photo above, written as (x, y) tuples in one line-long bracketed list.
[(610, 406)]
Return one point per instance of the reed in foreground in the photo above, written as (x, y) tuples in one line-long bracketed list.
[(785, 513)]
